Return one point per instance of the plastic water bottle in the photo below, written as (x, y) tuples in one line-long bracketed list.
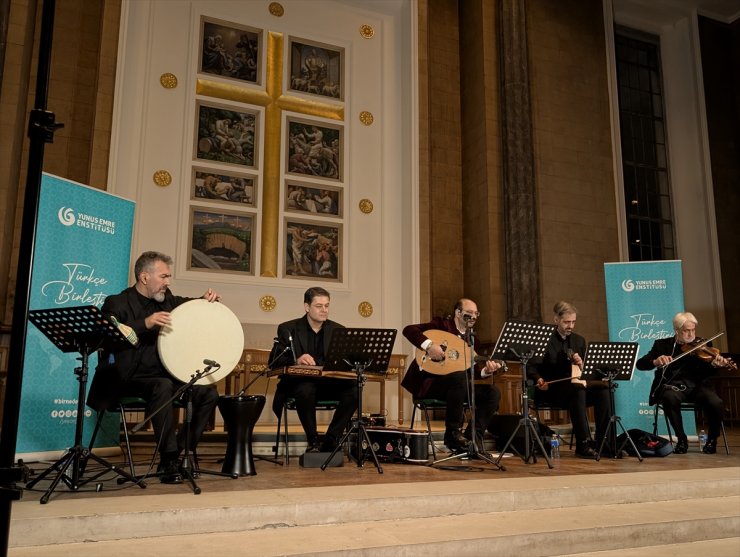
[(702, 439), (554, 447)]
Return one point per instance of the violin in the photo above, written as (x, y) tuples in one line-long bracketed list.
[(705, 353)]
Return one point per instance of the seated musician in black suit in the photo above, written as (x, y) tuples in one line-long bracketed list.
[(137, 371), (553, 384), (686, 380), (304, 342)]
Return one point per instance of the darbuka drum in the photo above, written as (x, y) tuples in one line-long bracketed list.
[(240, 415), (201, 330)]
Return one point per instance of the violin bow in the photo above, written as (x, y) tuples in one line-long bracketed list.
[(695, 348)]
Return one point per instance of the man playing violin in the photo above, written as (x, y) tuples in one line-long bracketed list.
[(452, 388), (564, 350), (685, 380)]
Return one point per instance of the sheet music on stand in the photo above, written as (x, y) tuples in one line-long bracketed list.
[(607, 362), (610, 358), (517, 337), (363, 351), (349, 346), (524, 340), (67, 328)]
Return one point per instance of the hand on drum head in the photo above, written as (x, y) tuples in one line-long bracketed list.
[(158, 319), (211, 296)]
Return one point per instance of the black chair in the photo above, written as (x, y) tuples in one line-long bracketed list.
[(132, 404), (425, 405), (547, 407), (124, 404), (686, 406), (289, 404)]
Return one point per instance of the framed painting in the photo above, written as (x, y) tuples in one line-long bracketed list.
[(226, 135), (225, 186), (313, 251), (320, 200), (316, 69), (230, 50), (221, 241), (315, 149)]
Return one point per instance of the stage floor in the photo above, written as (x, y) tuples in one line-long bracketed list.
[(273, 476)]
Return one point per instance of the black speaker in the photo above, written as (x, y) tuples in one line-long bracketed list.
[(503, 425)]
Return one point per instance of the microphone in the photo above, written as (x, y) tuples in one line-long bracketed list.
[(292, 348), (467, 317), (211, 363)]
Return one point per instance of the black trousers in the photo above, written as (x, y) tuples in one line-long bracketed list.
[(452, 389), (703, 396), (308, 390), (157, 391), (487, 399), (576, 398)]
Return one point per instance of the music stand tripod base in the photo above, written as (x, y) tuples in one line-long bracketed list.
[(77, 329), (524, 340), (610, 361), (360, 350)]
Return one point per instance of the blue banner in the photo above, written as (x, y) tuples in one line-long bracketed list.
[(641, 300), (81, 255)]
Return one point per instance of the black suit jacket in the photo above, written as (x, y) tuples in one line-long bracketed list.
[(282, 355), (689, 370), (115, 367), (555, 363)]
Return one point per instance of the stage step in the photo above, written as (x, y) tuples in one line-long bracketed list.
[(561, 515)]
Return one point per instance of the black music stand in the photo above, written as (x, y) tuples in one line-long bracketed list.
[(472, 450), (77, 329), (362, 351), (612, 361), (524, 340)]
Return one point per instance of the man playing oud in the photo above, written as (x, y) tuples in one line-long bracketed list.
[(452, 387)]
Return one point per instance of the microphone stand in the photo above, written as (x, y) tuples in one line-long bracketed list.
[(262, 373), (187, 468), (472, 450), (268, 367)]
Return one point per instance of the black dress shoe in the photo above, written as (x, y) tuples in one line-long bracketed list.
[(313, 447), (585, 450), (169, 472), (710, 446), (455, 441), (681, 446), (328, 444)]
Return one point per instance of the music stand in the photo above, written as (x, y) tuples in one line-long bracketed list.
[(362, 351), (524, 340), (612, 361), (80, 329)]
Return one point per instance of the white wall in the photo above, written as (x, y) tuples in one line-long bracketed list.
[(153, 129)]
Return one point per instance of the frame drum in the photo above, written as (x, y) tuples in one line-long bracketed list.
[(201, 330)]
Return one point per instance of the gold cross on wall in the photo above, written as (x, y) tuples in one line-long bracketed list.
[(274, 101)]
